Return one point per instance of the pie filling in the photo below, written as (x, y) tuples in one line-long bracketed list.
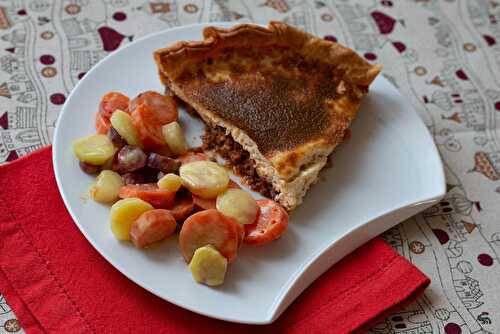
[(215, 138), (276, 96)]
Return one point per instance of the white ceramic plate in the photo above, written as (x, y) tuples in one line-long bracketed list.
[(389, 171)]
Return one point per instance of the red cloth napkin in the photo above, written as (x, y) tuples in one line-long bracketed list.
[(56, 282)]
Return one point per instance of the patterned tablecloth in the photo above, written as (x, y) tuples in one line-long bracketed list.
[(443, 56)]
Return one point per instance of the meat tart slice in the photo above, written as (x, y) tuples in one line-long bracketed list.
[(277, 100)]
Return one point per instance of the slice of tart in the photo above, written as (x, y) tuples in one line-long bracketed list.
[(276, 100)]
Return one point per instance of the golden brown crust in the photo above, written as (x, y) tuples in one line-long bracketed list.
[(289, 116), (173, 60)]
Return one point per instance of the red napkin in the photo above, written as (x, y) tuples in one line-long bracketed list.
[(56, 282)]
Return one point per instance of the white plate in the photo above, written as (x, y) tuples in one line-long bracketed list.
[(389, 171)]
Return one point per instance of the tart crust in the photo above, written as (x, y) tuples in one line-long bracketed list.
[(286, 96)]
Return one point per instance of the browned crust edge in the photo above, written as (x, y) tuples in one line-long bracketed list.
[(173, 60)]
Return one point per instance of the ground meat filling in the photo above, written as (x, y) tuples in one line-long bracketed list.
[(217, 140)]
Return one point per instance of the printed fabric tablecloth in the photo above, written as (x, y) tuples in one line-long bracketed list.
[(443, 56)]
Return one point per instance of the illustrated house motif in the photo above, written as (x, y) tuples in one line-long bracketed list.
[(16, 37), (23, 118), (468, 291), (361, 27), (473, 113), (84, 60), (442, 100), (10, 64), (23, 91), (410, 322), (72, 27), (453, 203)]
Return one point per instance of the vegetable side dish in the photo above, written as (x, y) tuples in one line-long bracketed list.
[(156, 185)]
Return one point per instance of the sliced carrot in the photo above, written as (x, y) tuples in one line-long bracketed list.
[(152, 226), (148, 127), (102, 125), (112, 101), (182, 207), (163, 106), (149, 192), (192, 157), (209, 227), (109, 103), (270, 224)]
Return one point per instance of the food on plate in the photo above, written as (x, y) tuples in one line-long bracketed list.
[(210, 203), (163, 106), (149, 131), (209, 227), (124, 213), (94, 149), (106, 187), (191, 157), (239, 205), (276, 100), (149, 192), (109, 103), (208, 266), (129, 159), (183, 207), (271, 223), (170, 182), (150, 111), (133, 178), (163, 163), (152, 226), (204, 178), (123, 123), (115, 138), (102, 125), (204, 203), (174, 137), (88, 168)]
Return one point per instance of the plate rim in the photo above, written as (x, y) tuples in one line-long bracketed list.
[(274, 310)]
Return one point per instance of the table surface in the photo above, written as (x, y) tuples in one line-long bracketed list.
[(442, 55)]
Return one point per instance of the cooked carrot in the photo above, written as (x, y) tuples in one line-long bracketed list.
[(150, 193), (182, 207), (102, 125), (148, 126), (164, 107), (109, 103), (270, 224), (209, 227), (152, 226)]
